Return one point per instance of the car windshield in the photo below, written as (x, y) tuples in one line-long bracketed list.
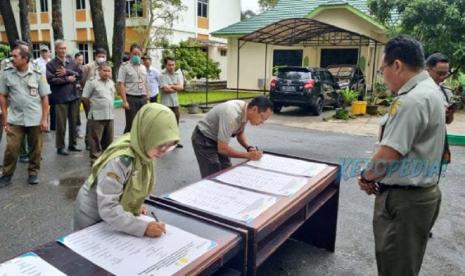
[(293, 75), (341, 72)]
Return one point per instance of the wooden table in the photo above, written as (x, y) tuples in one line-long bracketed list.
[(310, 216), (230, 249)]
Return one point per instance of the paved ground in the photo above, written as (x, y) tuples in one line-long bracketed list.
[(32, 215)]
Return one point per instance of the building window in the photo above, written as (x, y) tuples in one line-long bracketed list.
[(80, 4), (202, 8), (43, 5), (84, 49), (223, 52), (32, 6), (134, 8), (36, 49)]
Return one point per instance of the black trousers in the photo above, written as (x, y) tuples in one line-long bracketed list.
[(135, 104)]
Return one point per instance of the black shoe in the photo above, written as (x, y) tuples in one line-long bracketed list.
[(5, 180), (62, 151), (179, 146), (73, 148), (24, 159), (33, 180)]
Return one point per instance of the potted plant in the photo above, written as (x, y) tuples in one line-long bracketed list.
[(348, 96), (372, 108)]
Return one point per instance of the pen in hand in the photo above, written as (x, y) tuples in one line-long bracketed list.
[(155, 217)]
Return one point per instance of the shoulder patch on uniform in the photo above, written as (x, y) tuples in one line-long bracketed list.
[(126, 160), (114, 176), (394, 107)]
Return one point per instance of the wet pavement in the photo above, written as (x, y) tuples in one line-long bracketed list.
[(33, 215)]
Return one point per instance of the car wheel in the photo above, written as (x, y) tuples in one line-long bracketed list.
[(277, 108), (318, 107)]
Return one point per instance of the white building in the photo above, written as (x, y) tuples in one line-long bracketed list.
[(201, 18)]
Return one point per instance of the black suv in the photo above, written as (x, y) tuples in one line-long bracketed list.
[(309, 87)]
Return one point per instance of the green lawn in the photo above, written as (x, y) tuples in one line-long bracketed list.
[(188, 97)]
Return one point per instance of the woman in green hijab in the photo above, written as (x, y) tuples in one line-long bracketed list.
[(123, 176)]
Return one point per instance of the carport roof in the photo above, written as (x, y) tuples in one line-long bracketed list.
[(306, 32)]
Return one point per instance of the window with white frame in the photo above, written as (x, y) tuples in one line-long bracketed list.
[(85, 50), (43, 5), (202, 8), (80, 4), (134, 8)]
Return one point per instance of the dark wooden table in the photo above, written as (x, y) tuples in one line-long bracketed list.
[(230, 249), (310, 216)]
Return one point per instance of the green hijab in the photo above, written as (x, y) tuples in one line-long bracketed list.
[(153, 126)]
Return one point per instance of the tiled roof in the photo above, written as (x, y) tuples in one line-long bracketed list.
[(283, 10)]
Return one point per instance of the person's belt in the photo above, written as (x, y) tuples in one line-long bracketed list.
[(384, 187), (197, 130), (135, 96)]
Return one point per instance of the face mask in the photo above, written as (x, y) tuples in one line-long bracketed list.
[(135, 59), (100, 60)]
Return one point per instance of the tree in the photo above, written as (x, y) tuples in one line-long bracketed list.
[(192, 60), (9, 21), (57, 21), (247, 14), (119, 35), (24, 20), (439, 25), (267, 4), (98, 22), (162, 15)]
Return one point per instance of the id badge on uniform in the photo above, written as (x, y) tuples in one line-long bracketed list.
[(33, 91)]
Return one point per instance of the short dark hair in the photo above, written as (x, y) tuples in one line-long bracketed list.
[(126, 57), (435, 58), (23, 52), (78, 54), (166, 59), (262, 103), (19, 42), (135, 45), (406, 49), (146, 56), (104, 64), (100, 51)]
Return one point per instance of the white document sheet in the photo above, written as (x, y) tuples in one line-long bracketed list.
[(122, 254), (224, 200), (288, 165), (263, 181), (28, 264)]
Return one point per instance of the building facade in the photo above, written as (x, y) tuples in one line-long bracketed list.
[(200, 18)]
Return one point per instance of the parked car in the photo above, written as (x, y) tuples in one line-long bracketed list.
[(309, 87), (349, 76)]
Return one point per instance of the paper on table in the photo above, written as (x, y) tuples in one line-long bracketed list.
[(122, 254), (288, 165), (264, 181), (29, 264), (224, 200)]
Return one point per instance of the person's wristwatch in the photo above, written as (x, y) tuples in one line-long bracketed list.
[(248, 148)]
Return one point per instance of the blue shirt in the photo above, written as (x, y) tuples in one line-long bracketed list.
[(153, 81)]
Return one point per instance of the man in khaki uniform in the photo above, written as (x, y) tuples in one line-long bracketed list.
[(27, 90), (132, 78), (213, 133), (98, 97), (404, 170)]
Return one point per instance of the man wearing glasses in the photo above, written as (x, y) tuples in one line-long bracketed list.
[(437, 66), (212, 134), (406, 202)]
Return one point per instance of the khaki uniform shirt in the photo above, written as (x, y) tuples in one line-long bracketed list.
[(224, 121), (415, 127), (25, 91), (134, 78), (101, 95), (170, 99)]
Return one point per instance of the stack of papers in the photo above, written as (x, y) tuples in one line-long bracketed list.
[(29, 264), (122, 254), (288, 165), (224, 200)]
